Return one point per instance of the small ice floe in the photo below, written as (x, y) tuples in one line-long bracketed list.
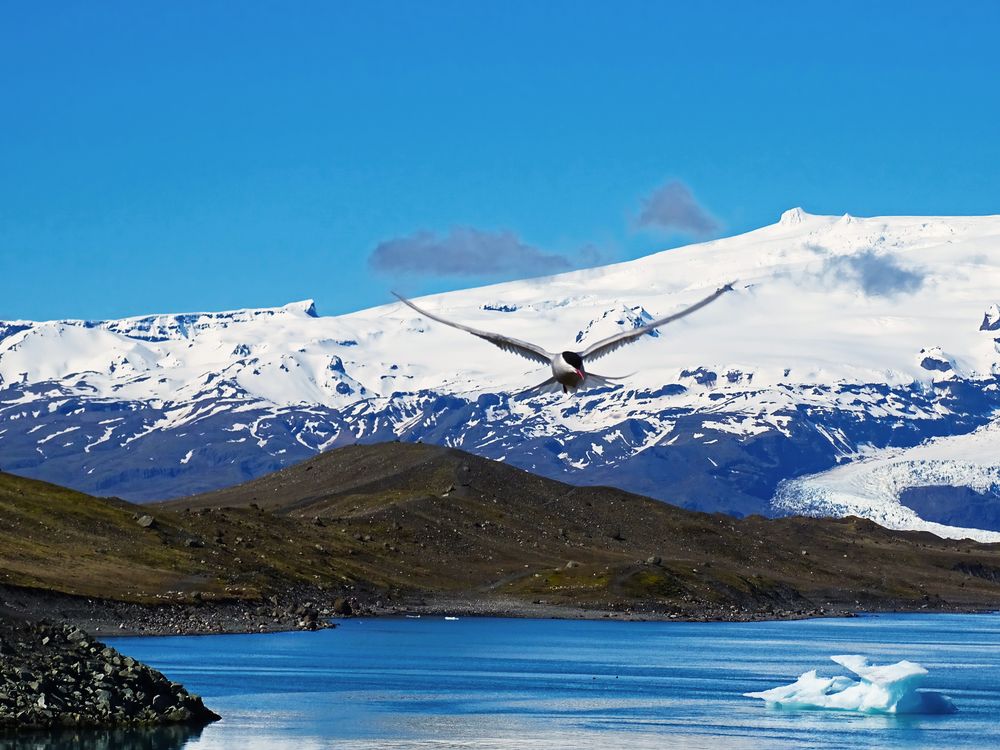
[(451, 618), (888, 689)]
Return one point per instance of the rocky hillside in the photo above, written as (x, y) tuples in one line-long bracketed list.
[(396, 525), (419, 520)]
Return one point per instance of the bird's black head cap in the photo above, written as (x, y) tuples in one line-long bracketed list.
[(573, 359)]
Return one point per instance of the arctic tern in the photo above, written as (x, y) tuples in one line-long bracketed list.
[(568, 368)]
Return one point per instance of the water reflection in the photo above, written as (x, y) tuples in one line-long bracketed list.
[(148, 738)]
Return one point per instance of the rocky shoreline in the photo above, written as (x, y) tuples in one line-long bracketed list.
[(507, 607), (295, 610), (309, 609), (58, 676)]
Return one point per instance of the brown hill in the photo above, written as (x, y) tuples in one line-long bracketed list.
[(417, 525), (418, 520)]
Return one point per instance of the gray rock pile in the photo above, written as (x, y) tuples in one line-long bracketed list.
[(57, 675)]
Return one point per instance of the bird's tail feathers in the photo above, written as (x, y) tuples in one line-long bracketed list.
[(546, 386), (593, 380)]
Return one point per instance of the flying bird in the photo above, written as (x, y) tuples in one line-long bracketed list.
[(568, 368)]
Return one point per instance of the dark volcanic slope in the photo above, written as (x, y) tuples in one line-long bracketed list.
[(415, 519)]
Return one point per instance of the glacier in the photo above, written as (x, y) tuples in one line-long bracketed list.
[(872, 485), (887, 689), (848, 342)]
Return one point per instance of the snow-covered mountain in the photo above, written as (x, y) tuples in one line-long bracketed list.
[(847, 343)]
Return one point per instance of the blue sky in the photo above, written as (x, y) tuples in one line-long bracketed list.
[(182, 156)]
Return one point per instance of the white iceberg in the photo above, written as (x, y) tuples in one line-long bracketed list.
[(888, 689)]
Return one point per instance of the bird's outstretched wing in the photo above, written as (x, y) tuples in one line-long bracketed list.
[(608, 345), (508, 344)]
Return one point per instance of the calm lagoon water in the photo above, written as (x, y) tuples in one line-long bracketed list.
[(504, 683)]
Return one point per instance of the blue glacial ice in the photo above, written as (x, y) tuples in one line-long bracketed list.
[(888, 689)]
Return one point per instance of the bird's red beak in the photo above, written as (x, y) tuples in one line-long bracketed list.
[(581, 374)]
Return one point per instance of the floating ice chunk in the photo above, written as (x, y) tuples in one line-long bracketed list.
[(888, 689)]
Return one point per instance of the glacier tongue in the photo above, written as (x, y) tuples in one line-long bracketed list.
[(888, 689), (871, 485)]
